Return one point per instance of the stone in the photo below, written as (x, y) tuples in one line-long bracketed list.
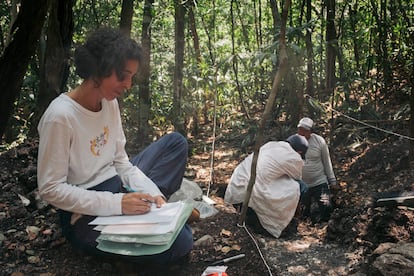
[(397, 260)]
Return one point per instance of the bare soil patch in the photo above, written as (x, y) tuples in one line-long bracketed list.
[(343, 246)]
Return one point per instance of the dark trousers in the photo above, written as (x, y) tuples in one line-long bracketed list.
[(163, 161), (321, 195)]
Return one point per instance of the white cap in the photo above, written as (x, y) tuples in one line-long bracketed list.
[(306, 123)]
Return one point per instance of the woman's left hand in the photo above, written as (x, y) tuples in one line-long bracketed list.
[(159, 200)]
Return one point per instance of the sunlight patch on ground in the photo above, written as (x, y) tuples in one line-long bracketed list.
[(300, 245), (355, 257), (297, 269), (296, 246), (203, 173)]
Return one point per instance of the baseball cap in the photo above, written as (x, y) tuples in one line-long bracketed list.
[(299, 144), (306, 123)]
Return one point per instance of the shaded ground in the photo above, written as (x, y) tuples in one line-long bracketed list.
[(31, 242)]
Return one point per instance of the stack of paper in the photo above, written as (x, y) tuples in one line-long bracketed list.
[(147, 234)]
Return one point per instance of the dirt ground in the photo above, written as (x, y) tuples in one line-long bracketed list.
[(31, 241)]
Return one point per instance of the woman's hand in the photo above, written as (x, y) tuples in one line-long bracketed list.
[(159, 200), (137, 203)]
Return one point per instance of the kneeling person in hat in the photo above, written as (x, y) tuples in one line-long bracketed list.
[(276, 191)]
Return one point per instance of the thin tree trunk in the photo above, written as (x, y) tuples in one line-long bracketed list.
[(354, 22), (377, 36), (276, 20), (178, 116), (197, 51), (383, 36), (127, 12), (338, 48), (194, 34), (143, 78), (235, 64), (244, 29), (125, 25), (276, 17), (331, 45), (412, 120), (13, 16), (25, 35), (321, 66), (260, 81), (209, 29), (309, 51)]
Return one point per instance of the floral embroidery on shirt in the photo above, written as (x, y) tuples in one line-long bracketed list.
[(99, 142)]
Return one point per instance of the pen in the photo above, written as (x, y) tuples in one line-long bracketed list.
[(226, 260), (147, 200), (129, 189)]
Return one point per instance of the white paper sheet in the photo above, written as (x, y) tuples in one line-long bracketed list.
[(141, 229), (166, 214)]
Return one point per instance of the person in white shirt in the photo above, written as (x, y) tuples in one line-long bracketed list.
[(83, 168), (277, 190), (317, 172)]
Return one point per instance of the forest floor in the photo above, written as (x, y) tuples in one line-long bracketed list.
[(31, 242)]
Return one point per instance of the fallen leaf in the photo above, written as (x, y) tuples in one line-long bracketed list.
[(33, 259), (32, 231), (225, 232), (236, 247), (25, 201), (47, 232)]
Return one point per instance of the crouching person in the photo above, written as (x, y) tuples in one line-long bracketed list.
[(276, 192)]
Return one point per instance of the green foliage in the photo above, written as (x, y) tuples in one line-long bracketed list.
[(212, 85)]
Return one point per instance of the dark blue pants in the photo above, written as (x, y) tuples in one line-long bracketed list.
[(321, 195), (163, 161)]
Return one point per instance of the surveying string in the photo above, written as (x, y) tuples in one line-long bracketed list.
[(360, 122), (257, 247)]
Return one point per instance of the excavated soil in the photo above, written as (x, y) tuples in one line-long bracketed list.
[(32, 244)]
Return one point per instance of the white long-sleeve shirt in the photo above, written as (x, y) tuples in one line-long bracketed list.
[(318, 166), (276, 193), (79, 149)]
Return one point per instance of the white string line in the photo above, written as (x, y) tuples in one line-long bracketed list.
[(363, 123), (257, 247)]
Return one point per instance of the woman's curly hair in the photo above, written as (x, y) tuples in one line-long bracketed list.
[(106, 50)]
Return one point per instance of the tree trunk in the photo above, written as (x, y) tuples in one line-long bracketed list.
[(309, 51), (125, 25), (209, 31), (383, 39), (354, 22), (13, 17), (143, 78), (127, 12), (331, 45), (412, 121), (243, 26), (196, 42), (194, 34), (54, 61), (235, 63), (276, 16), (177, 114), (13, 64)]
